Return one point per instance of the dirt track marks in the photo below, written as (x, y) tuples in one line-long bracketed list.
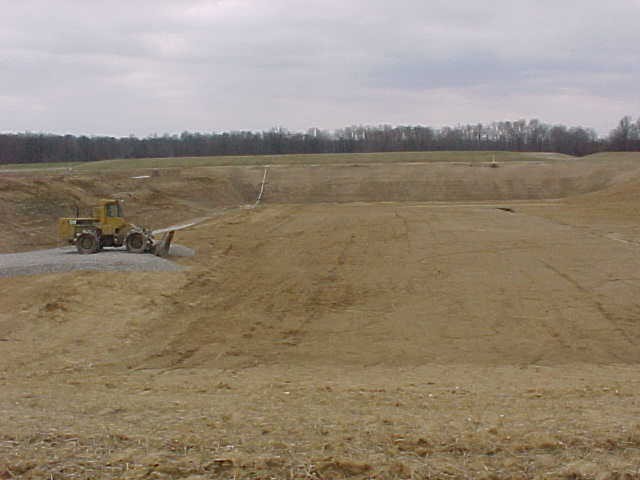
[(411, 284), (405, 233), (592, 297)]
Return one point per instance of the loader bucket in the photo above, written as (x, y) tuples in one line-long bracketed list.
[(161, 249)]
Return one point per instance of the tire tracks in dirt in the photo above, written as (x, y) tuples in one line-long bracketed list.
[(571, 329), (405, 233), (610, 318)]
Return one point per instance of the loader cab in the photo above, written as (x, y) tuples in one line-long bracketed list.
[(108, 209), (110, 216), (113, 210)]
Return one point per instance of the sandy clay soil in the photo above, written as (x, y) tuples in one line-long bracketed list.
[(449, 322)]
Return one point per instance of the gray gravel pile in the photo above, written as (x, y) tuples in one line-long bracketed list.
[(66, 259)]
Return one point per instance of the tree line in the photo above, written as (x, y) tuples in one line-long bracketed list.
[(520, 136)]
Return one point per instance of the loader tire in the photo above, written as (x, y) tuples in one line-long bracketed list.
[(87, 243), (136, 242)]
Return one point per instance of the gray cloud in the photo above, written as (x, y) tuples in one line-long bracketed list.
[(146, 66)]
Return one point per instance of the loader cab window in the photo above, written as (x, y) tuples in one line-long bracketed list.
[(113, 210)]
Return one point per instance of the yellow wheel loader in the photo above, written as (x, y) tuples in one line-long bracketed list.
[(108, 228)]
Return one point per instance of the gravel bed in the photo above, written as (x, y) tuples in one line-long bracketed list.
[(67, 259)]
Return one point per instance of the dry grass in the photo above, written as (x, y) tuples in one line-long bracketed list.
[(22, 167), (180, 424)]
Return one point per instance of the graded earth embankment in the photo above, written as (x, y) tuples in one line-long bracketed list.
[(360, 284)]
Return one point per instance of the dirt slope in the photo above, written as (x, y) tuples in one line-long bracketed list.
[(442, 182), (30, 204), (368, 285)]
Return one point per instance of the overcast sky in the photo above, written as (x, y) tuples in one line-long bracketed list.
[(140, 67)]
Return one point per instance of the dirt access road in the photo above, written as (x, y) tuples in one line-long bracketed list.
[(358, 340)]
